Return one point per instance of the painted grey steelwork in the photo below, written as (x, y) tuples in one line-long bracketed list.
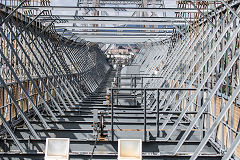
[(36, 47), (180, 94), (127, 9)]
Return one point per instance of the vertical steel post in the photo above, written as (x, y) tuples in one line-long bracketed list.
[(135, 85), (117, 82), (157, 129), (145, 116), (112, 114), (142, 90)]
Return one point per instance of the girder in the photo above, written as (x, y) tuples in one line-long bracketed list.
[(178, 91), (122, 18), (79, 22), (112, 9), (114, 28), (114, 33), (118, 36)]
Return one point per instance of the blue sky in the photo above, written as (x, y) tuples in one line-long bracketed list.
[(168, 4)]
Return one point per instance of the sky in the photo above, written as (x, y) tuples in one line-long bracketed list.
[(168, 4)]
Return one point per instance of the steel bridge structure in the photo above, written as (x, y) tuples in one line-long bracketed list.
[(180, 94)]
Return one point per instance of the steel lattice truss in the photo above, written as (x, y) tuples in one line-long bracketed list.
[(207, 59), (40, 69), (54, 73)]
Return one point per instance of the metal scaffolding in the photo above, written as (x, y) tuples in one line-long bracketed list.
[(180, 94)]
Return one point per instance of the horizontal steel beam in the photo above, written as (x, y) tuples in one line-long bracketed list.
[(70, 124), (117, 36), (128, 2), (74, 141), (114, 33), (116, 41), (80, 21), (119, 39), (122, 18), (105, 149), (114, 28), (87, 155), (113, 9), (155, 89), (85, 131)]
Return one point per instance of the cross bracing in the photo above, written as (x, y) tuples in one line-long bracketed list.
[(179, 94)]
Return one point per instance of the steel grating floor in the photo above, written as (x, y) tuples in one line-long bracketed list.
[(77, 124)]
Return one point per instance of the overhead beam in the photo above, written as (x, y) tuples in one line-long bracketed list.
[(113, 28), (125, 2), (69, 17), (118, 40), (79, 21), (115, 41), (113, 9), (115, 36), (114, 32)]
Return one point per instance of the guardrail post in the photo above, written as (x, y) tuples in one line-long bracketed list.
[(145, 116), (157, 129), (112, 114)]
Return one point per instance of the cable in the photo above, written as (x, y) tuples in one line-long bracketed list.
[(94, 146)]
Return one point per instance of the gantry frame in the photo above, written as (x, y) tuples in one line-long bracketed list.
[(48, 74)]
